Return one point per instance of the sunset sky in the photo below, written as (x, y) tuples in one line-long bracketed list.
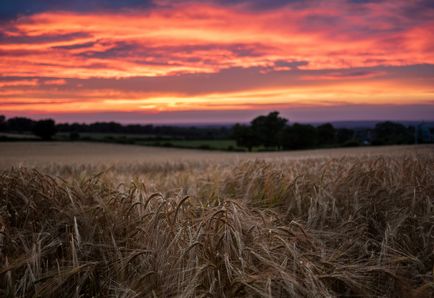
[(217, 61)]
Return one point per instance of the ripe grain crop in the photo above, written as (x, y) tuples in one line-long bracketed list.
[(319, 227)]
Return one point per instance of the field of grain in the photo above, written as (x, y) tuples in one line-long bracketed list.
[(41, 155), (127, 221)]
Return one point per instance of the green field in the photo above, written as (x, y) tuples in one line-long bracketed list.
[(135, 139), (17, 136), (197, 144), (151, 140), (103, 136)]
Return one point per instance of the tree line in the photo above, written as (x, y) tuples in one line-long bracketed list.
[(162, 131), (274, 132), (46, 129), (267, 132)]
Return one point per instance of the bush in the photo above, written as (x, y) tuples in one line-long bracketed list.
[(45, 129), (205, 147), (74, 136), (351, 143)]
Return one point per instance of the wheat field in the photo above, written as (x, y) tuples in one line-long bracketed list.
[(89, 220)]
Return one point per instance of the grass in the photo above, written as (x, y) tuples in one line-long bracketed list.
[(153, 140), (134, 139), (11, 137), (355, 225), (195, 144), (104, 136)]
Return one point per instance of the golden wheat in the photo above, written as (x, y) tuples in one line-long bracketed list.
[(324, 227)]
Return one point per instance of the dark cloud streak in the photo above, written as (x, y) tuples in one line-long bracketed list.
[(10, 9), (235, 79), (38, 39)]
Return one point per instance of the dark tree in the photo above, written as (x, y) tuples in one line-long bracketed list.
[(326, 134), (245, 136), (19, 124), (344, 135), (267, 128), (2, 123), (390, 133), (298, 136), (45, 129)]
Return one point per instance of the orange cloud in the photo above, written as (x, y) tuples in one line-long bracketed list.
[(325, 95), (57, 82), (19, 83)]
